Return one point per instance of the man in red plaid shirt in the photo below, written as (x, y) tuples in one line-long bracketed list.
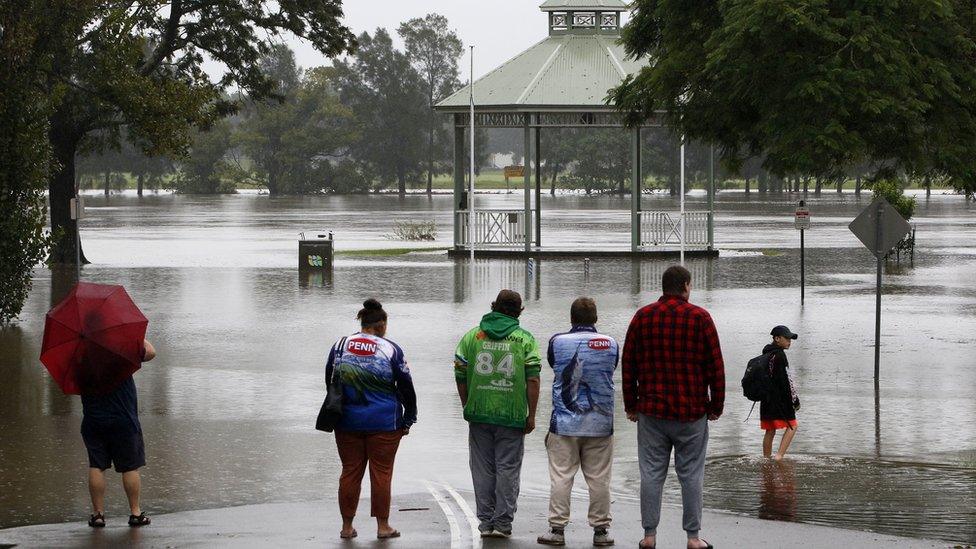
[(673, 383)]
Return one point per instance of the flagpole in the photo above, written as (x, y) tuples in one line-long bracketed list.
[(471, 164)]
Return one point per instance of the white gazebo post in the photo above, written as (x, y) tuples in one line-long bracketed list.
[(682, 216), (471, 220)]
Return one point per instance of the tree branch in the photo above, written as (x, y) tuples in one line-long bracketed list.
[(167, 44)]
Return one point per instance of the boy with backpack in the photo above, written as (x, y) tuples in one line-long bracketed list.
[(767, 381)]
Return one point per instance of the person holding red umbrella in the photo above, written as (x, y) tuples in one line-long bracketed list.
[(113, 435), (94, 341)]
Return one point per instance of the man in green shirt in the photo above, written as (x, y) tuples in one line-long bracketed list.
[(496, 367)]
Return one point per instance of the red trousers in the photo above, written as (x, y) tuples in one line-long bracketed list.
[(356, 451)]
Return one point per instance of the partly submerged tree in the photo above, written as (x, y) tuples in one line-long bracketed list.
[(812, 86), (295, 140), (140, 65), (205, 169), (433, 49), (387, 98)]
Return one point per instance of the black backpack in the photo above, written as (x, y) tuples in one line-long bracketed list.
[(757, 382)]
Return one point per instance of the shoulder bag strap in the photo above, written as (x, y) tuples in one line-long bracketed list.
[(341, 349)]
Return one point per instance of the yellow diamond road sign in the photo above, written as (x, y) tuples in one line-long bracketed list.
[(893, 227)]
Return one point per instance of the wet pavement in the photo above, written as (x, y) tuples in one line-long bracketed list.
[(227, 407), (425, 520)]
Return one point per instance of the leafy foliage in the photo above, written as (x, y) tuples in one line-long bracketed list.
[(204, 170), (433, 49), (813, 86), (892, 191), (387, 98), (419, 231), (24, 150), (141, 66), (293, 141)]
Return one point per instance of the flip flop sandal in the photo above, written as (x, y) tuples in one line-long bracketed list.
[(393, 534), (350, 535), (140, 520), (97, 521), (707, 545)]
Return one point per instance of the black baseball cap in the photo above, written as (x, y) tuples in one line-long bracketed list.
[(783, 331)]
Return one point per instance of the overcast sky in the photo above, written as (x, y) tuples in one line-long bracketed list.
[(498, 29)]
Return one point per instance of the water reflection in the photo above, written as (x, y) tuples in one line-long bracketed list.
[(322, 278), (879, 495), (777, 497)]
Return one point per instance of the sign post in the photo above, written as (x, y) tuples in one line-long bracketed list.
[(76, 209), (879, 227), (802, 222), (513, 171)]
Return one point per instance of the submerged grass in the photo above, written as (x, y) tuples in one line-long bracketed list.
[(386, 252)]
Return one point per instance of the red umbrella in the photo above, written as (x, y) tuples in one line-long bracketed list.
[(93, 339)]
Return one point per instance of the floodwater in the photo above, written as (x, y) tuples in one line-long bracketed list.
[(228, 406)]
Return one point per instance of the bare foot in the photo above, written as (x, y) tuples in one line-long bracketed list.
[(697, 543), (778, 457), (348, 533), (647, 542)]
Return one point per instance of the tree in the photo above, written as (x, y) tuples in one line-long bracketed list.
[(814, 87), (26, 44), (387, 98), (294, 140), (203, 170), (434, 49), (141, 66)]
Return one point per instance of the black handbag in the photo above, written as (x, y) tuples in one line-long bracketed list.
[(331, 411)]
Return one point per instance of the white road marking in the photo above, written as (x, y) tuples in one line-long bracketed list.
[(449, 513), (466, 509)]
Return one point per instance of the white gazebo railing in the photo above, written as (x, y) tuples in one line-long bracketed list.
[(493, 228), (663, 229)]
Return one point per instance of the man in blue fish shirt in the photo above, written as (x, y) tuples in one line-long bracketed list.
[(581, 428)]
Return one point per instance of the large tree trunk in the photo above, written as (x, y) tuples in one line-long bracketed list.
[(552, 184), (857, 186), (818, 187), (928, 186), (273, 182), (139, 184), (61, 189), (747, 185), (108, 181), (401, 180)]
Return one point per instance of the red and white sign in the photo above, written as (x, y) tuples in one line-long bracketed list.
[(361, 347), (802, 220), (599, 344)]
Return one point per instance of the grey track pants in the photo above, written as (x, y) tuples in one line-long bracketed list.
[(655, 439), (496, 463)]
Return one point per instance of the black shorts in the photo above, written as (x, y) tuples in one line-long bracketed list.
[(113, 441)]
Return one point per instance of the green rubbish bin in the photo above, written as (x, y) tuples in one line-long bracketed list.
[(315, 252)]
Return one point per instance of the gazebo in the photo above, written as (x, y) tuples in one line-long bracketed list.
[(560, 82)]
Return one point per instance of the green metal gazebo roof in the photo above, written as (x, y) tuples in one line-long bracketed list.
[(570, 70), (595, 5)]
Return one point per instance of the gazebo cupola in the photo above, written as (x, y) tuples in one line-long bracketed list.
[(583, 17)]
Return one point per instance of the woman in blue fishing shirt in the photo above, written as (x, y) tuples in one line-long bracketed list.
[(379, 406)]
